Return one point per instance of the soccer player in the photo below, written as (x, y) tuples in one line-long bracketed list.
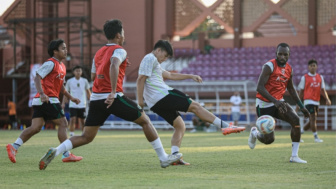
[(78, 87), (311, 87), (107, 98), (166, 101), (275, 78), (49, 83)]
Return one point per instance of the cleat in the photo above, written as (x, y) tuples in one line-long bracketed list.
[(11, 151), (252, 140), (171, 159), (232, 129), (71, 158), (180, 162), (317, 140), (46, 159), (302, 141), (296, 159)]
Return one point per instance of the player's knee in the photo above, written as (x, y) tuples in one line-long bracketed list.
[(296, 130), (266, 139), (194, 107)]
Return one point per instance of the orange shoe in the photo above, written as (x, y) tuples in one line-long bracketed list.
[(71, 158), (232, 129), (180, 162), (11, 151)]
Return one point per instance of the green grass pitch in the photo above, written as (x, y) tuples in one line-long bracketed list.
[(124, 159)]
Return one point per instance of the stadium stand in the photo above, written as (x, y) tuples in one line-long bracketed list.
[(245, 63)]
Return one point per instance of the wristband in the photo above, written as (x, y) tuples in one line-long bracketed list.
[(300, 105)]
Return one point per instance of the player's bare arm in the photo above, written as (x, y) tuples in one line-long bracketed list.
[(88, 94), (38, 85), (140, 89), (178, 76), (93, 76), (295, 96), (114, 72), (263, 78), (301, 92), (325, 96), (64, 101), (128, 63)]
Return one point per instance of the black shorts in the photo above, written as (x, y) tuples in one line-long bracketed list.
[(48, 111), (271, 111), (169, 106), (312, 108), (122, 107), (78, 112)]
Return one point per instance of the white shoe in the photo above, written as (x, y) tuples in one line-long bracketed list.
[(252, 141), (301, 141), (193, 131), (296, 159), (318, 140), (171, 159)]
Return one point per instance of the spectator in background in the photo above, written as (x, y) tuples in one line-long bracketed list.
[(235, 108), (311, 87), (12, 113), (79, 88)]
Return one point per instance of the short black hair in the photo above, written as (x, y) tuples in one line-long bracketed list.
[(283, 45), (164, 45), (53, 45), (112, 27), (312, 61), (76, 67)]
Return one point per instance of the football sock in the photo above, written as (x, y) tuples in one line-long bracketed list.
[(157, 146), (295, 148), (66, 154), (65, 146), (315, 135), (219, 123), (174, 149), (17, 143)]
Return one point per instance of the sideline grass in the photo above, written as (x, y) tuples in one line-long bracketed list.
[(124, 159)]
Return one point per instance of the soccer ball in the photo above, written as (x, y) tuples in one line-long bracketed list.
[(265, 124)]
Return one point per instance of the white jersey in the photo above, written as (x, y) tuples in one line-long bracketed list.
[(77, 89), (236, 101), (155, 88)]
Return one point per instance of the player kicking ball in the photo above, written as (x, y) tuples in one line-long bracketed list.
[(166, 101)]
